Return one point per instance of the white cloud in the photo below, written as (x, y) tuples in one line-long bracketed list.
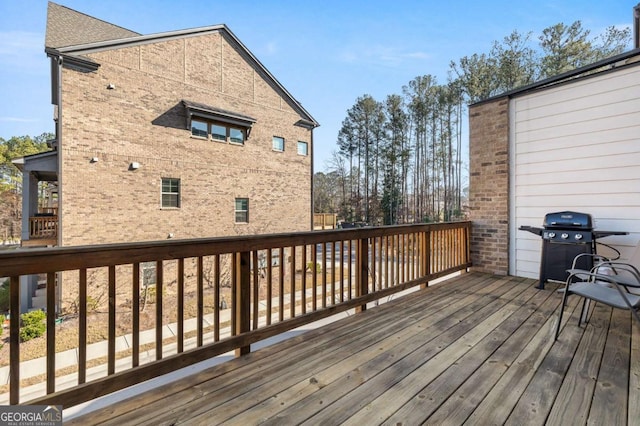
[(21, 49), (381, 55), (17, 120)]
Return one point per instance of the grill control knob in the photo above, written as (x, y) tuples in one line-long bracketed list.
[(578, 236), (564, 236), (552, 234)]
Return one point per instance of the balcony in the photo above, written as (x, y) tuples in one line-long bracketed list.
[(43, 229), (474, 348)]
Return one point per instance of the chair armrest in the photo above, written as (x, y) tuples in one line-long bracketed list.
[(593, 255), (621, 266)]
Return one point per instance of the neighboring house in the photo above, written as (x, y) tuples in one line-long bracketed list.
[(566, 143), (181, 134)]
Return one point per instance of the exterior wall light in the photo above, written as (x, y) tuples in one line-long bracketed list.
[(134, 166), (93, 160)]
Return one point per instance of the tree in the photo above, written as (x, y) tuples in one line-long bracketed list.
[(16, 147), (564, 48)]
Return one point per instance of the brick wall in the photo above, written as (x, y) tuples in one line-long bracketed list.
[(489, 186), (142, 120)]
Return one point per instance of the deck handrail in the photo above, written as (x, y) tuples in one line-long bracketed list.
[(45, 226), (304, 276)]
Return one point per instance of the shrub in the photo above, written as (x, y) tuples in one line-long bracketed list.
[(32, 325), (4, 296)]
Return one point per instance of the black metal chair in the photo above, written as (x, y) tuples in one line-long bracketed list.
[(617, 289)]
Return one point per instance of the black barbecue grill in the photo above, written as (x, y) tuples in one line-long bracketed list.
[(564, 236)]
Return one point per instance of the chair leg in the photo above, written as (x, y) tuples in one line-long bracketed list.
[(583, 312), (562, 306)]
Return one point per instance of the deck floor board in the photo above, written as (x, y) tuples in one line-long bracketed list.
[(476, 349)]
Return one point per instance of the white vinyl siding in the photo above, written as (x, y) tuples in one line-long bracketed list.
[(576, 147)]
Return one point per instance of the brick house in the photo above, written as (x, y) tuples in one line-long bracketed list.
[(570, 142), (180, 134)]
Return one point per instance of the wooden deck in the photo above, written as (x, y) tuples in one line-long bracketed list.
[(477, 349)]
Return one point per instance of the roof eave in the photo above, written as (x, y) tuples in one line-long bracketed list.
[(560, 78)]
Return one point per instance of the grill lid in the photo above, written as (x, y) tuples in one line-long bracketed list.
[(568, 220)]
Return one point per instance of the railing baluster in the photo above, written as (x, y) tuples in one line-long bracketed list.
[(51, 332), (304, 280), (332, 246), (281, 285), (324, 275), (314, 277), (180, 296), (159, 320), (14, 341), (362, 281), (349, 267), (242, 299), (111, 351), (135, 316), (256, 290), (216, 298), (341, 271), (269, 284), (82, 326), (200, 302), (292, 283)]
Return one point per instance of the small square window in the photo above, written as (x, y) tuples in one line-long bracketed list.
[(303, 148), (218, 132), (199, 129), (242, 210), (236, 135), (278, 143), (170, 193)]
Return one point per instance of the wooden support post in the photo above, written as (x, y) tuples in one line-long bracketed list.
[(362, 278), (243, 298)]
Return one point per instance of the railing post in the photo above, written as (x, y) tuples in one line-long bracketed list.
[(362, 278), (243, 298), (426, 257)]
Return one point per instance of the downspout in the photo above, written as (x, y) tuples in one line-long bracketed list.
[(59, 61), (312, 179)]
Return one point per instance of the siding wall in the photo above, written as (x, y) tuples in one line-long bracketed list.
[(576, 147), (141, 120)]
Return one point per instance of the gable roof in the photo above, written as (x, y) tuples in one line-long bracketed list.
[(74, 34), (66, 27)]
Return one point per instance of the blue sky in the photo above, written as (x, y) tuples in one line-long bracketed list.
[(326, 53)]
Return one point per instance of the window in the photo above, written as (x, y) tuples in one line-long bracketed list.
[(236, 135), (218, 132), (170, 193), (217, 124), (303, 148), (242, 210), (278, 143), (199, 129)]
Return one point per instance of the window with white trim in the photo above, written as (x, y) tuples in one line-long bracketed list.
[(242, 210), (170, 195), (303, 148), (278, 143)]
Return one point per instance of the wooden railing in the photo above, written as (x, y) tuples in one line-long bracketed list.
[(269, 283), (325, 221), (45, 226)]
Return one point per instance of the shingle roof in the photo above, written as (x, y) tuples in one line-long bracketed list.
[(66, 27)]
